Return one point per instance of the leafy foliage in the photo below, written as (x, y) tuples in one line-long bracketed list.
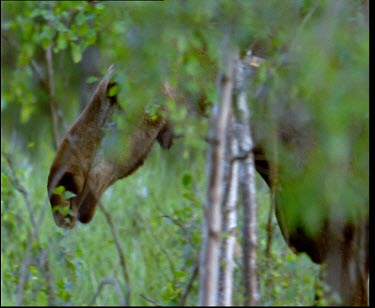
[(158, 211)]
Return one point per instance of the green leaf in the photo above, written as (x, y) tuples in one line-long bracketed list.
[(81, 18), (63, 210), (58, 190), (92, 79), (33, 270), (26, 113), (30, 145), (187, 179), (62, 40), (47, 35), (113, 91), (99, 6), (68, 194), (180, 274), (91, 37), (76, 52)]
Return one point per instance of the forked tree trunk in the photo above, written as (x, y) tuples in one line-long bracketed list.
[(248, 190), (210, 251), (215, 289)]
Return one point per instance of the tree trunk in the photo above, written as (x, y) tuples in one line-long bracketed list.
[(247, 185), (210, 250), (229, 224)]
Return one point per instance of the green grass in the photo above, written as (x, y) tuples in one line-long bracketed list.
[(159, 253)]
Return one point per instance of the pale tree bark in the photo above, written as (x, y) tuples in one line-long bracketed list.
[(210, 250), (229, 223), (249, 231), (248, 189), (222, 193)]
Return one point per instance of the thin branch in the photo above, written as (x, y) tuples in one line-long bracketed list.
[(26, 263), (162, 249), (23, 272), (113, 282), (210, 247), (270, 227), (34, 234), (47, 83), (44, 265), (150, 300), (35, 66), (19, 187), (190, 284), (175, 221), (303, 23), (120, 253), (52, 97)]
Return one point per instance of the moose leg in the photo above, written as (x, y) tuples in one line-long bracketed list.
[(346, 271)]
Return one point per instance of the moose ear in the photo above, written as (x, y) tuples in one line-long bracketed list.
[(106, 87)]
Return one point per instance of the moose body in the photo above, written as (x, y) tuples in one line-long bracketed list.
[(82, 168), (339, 241), (341, 244)]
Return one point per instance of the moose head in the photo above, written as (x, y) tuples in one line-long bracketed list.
[(83, 169)]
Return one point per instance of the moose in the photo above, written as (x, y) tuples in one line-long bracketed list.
[(84, 168)]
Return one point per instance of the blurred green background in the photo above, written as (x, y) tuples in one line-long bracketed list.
[(157, 212)]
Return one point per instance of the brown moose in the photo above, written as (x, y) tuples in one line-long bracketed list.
[(83, 169), (340, 242)]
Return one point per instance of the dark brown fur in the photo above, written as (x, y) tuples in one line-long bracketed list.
[(340, 244)]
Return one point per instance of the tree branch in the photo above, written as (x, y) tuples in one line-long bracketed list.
[(150, 300), (19, 187), (190, 284), (35, 66), (113, 282), (52, 97), (33, 235), (120, 253), (47, 83), (247, 185), (270, 226), (162, 249), (210, 249)]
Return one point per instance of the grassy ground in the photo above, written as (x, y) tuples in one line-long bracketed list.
[(157, 214)]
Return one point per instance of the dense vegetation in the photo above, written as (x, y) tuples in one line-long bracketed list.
[(147, 243)]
